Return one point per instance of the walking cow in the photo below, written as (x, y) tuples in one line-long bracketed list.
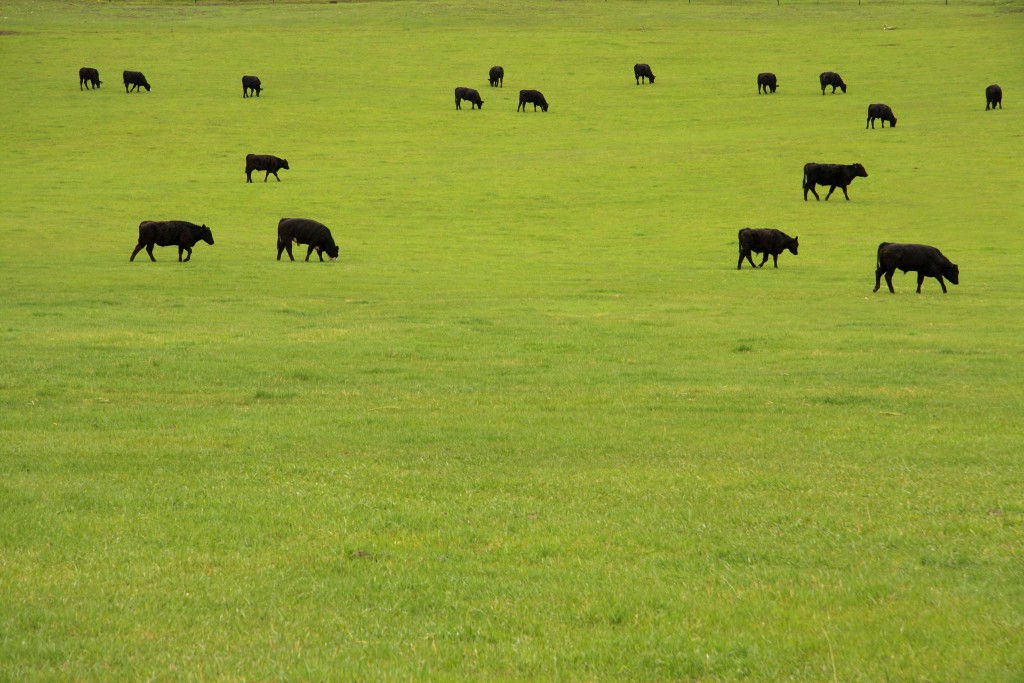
[(496, 77), (880, 111), (836, 175), (87, 76), (643, 71), (534, 97), (766, 81), (135, 79), (925, 260), (305, 231), (828, 78), (182, 234), (993, 96), (251, 83), (767, 241), (470, 95), (264, 162)]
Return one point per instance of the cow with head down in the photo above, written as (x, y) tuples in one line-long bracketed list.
[(181, 234), (827, 78), (767, 82), (251, 84), (643, 72), (534, 97), (470, 95), (88, 76), (767, 241), (136, 80), (305, 231), (880, 111), (925, 260)]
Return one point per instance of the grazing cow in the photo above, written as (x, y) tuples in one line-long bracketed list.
[(926, 261), (836, 175), (251, 83), (264, 162), (642, 71), (767, 241), (828, 78), (135, 79), (880, 111), (305, 231), (766, 81), (470, 95), (533, 97), (993, 96), (170, 233), (87, 75), (496, 77)]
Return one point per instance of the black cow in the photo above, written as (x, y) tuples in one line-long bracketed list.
[(264, 162), (926, 261), (170, 233), (534, 97), (767, 241), (470, 95), (993, 96), (135, 79), (642, 71), (880, 111), (766, 81), (87, 75), (251, 83), (305, 231), (496, 77), (836, 175), (828, 78)]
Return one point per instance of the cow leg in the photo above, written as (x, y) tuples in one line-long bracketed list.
[(941, 283), (149, 250), (813, 191), (458, 103), (248, 176), (878, 278), (920, 281), (277, 176), (289, 248), (320, 253), (138, 248), (266, 176), (845, 194), (763, 261), (775, 259), (309, 252), (888, 279)]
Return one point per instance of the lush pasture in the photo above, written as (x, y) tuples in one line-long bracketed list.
[(533, 423)]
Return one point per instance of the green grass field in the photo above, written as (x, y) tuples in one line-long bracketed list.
[(533, 424)]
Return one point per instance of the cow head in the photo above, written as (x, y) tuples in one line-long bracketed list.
[(892, 121), (951, 272), (859, 171), (794, 245), (205, 234), (842, 86), (773, 86), (284, 164), (544, 105)]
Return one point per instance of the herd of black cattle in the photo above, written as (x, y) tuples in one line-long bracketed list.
[(925, 260)]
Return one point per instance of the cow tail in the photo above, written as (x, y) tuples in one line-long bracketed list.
[(878, 255)]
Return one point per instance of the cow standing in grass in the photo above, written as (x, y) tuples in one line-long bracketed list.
[(767, 241), (470, 95), (136, 80), (643, 71), (251, 83), (182, 234), (828, 78), (264, 162), (835, 175), (87, 76), (925, 260), (305, 231), (993, 96), (767, 82), (534, 97), (496, 77), (880, 111)]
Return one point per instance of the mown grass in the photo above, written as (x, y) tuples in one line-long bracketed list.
[(533, 424)]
